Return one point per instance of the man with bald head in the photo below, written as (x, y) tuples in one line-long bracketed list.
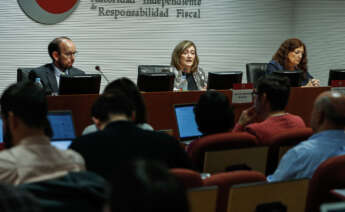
[(328, 123), (62, 51)]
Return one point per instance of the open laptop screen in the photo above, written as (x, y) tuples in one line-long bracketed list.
[(62, 125), (186, 124)]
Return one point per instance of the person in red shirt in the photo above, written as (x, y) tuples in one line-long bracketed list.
[(267, 116)]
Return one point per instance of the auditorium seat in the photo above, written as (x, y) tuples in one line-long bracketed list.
[(226, 180), (189, 178), (203, 199), (153, 68), (227, 151), (23, 74), (254, 71), (282, 142), (247, 197), (329, 175)]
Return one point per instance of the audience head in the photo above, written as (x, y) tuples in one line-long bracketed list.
[(272, 94), (132, 92), (14, 199), (147, 186), (213, 113), (185, 57), (23, 108), (292, 52), (328, 112), (62, 51), (110, 107)]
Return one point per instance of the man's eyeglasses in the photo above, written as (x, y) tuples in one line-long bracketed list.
[(70, 54)]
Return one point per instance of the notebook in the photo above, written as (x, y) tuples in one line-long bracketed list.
[(62, 125), (333, 207), (186, 124)]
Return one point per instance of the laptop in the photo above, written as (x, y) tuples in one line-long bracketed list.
[(186, 124), (333, 207), (62, 126)]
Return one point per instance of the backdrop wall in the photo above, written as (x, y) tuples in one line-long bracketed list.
[(228, 34)]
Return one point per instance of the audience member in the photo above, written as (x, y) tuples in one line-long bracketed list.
[(62, 51), (30, 156), (267, 117), (292, 55), (213, 113), (16, 200), (147, 186), (120, 140), (328, 123), (77, 191), (185, 62), (132, 92)]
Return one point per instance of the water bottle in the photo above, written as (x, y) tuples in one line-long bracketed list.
[(184, 83), (38, 82)]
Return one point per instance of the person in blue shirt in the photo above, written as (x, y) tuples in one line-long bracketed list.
[(292, 55), (328, 123)]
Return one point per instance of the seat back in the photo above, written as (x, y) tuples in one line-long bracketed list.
[(282, 142), (254, 158), (155, 78), (329, 175), (189, 178), (23, 74), (226, 180), (153, 68), (218, 142), (254, 71), (202, 199), (248, 197)]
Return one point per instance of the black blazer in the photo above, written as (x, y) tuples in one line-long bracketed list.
[(48, 79), (122, 141)]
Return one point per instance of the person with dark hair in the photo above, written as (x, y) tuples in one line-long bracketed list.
[(128, 87), (62, 51), (185, 63), (268, 117), (292, 55), (328, 123), (120, 140), (147, 186), (213, 113), (30, 157)]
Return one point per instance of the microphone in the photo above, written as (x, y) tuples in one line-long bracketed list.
[(99, 70)]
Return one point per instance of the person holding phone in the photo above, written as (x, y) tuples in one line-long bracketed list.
[(267, 116), (292, 55)]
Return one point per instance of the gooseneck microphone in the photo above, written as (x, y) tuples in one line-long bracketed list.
[(99, 70)]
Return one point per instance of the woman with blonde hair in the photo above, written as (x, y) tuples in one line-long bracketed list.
[(185, 62)]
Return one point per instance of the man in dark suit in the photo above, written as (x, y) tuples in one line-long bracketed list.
[(120, 140), (62, 51)]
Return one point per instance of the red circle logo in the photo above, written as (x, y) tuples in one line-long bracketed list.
[(48, 11), (57, 6)]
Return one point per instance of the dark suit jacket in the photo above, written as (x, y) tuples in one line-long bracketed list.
[(47, 75), (122, 141)]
